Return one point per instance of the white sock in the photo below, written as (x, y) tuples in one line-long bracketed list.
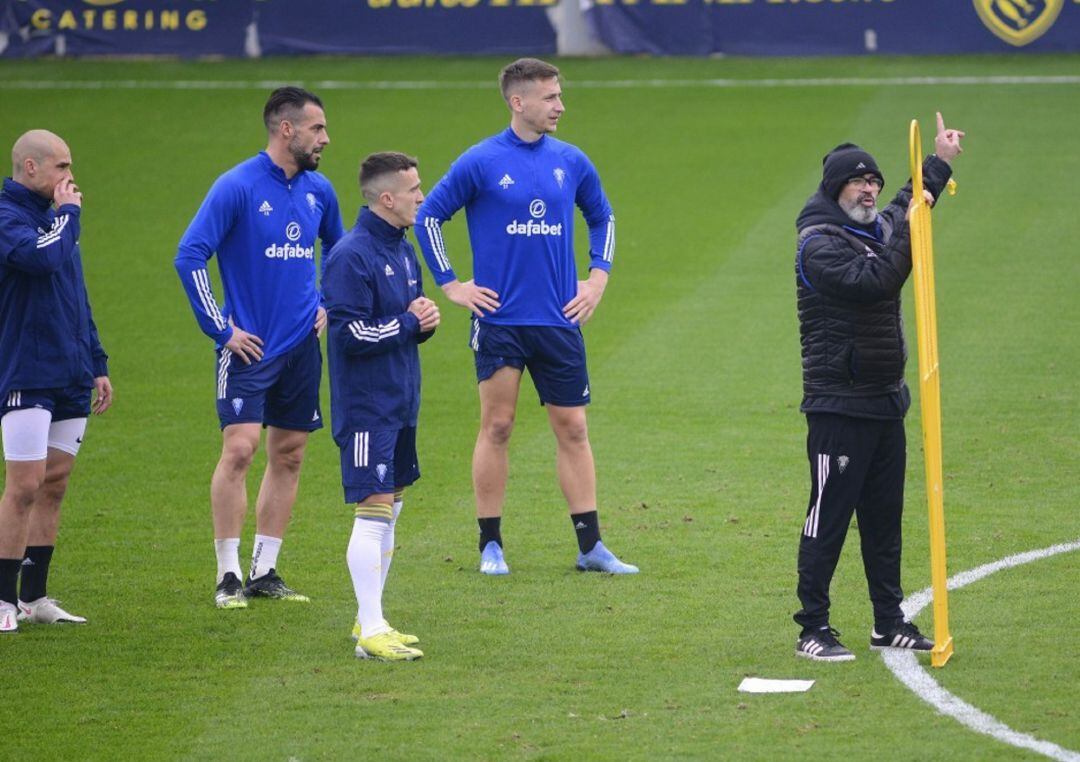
[(388, 545), (228, 557), (264, 555), (364, 556)]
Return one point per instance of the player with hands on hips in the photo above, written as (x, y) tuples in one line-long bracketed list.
[(261, 219), (521, 189)]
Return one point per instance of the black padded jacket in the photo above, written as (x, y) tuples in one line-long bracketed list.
[(848, 280)]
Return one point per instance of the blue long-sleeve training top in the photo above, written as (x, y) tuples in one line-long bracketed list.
[(519, 201), (48, 338), (369, 280), (263, 227)]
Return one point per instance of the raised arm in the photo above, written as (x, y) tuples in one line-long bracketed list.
[(23, 248)]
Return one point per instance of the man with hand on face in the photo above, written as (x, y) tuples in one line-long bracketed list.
[(51, 365), (850, 266), (378, 317), (262, 218), (519, 189)]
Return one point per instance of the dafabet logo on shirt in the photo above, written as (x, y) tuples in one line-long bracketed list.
[(537, 225), (289, 251)]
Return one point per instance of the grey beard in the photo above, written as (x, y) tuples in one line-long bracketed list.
[(860, 214)]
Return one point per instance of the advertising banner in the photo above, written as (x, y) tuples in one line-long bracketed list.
[(124, 27), (231, 28), (834, 27), (510, 27)]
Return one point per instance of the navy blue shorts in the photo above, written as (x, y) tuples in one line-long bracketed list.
[(64, 403), (378, 462), (554, 356), (282, 391)]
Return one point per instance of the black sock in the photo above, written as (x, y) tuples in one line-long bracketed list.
[(35, 572), (9, 577), (489, 531), (587, 526)]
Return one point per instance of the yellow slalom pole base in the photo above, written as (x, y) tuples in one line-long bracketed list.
[(941, 653)]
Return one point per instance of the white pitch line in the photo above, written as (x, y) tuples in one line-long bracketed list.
[(906, 667), (589, 84)]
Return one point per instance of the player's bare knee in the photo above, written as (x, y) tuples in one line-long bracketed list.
[(237, 454), (288, 460), (54, 489), (497, 429), (57, 474), (573, 434), (20, 490), (571, 429)]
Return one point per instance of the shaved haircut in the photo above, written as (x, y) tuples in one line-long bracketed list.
[(287, 103), (35, 145), (377, 168)]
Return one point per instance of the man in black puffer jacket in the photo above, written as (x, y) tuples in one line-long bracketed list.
[(850, 266)]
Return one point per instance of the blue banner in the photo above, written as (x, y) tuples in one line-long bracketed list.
[(192, 28), (510, 27), (835, 27), (231, 28), (123, 27)]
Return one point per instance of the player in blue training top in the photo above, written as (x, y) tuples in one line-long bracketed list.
[(519, 189), (51, 362), (262, 218), (378, 317)]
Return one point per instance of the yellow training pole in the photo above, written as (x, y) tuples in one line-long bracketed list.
[(922, 256)]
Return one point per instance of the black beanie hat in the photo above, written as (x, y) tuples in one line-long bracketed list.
[(844, 162)]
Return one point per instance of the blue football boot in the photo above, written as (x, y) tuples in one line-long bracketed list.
[(492, 561), (603, 560)]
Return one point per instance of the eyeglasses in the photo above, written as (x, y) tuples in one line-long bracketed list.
[(863, 182)]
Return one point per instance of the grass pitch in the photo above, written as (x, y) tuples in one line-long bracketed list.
[(699, 444)]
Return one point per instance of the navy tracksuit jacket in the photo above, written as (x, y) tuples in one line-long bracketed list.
[(48, 339)]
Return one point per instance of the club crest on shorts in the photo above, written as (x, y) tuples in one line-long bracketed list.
[(237, 405), (842, 461), (380, 471), (1018, 22)]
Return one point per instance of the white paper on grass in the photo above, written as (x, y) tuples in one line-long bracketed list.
[(764, 685)]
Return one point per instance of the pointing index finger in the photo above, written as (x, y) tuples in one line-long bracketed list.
[(940, 124)]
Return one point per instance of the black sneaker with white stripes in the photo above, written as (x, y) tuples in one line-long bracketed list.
[(904, 635), (822, 645)]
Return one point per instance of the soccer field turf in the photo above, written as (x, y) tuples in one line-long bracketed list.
[(694, 364)]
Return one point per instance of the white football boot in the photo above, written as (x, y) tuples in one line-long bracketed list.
[(8, 618), (46, 611)]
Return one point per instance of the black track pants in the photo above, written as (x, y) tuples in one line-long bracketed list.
[(856, 465)]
